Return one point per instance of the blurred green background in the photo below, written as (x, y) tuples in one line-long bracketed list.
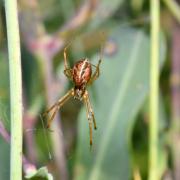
[(119, 96)]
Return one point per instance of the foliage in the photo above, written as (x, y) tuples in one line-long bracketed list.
[(119, 97)]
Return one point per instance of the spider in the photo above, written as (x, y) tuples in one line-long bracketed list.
[(82, 76)]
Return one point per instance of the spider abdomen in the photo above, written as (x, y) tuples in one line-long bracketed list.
[(82, 72)]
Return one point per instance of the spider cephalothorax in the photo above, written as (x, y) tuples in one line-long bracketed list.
[(81, 74)]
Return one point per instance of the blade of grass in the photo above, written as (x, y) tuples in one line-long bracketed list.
[(15, 88), (174, 8), (154, 81)]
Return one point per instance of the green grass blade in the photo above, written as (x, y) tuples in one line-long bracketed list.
[(154, 90), (15, 88)]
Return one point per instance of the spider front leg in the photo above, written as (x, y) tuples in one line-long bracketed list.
[(90, 114), (67, 69), (96, 73), (57, 105)]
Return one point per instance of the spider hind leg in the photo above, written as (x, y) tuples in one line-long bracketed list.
[(90, 115)]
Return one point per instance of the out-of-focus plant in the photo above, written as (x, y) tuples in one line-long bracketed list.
[(119, 96)]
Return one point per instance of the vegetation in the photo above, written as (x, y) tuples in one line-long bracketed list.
[(135, 99)]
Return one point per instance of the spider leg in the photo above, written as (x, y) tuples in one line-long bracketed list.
[(89, 120), (57, 105), (90, 131), (68, 73), (90, 114), (67, 69), (52, 117), (96, 73), (66, 66)]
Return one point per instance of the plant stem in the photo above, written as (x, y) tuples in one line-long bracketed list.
[(154, 81), (175, 96), (15, 88), (174, 8)]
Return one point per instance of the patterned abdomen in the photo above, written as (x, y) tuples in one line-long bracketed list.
[(82, 72)]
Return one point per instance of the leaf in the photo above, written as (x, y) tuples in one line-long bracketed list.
[(4, 117), (140, 155), (5, 159), (40, 174), (4, 90), (104, 11), (119, 94), (32, 81)]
